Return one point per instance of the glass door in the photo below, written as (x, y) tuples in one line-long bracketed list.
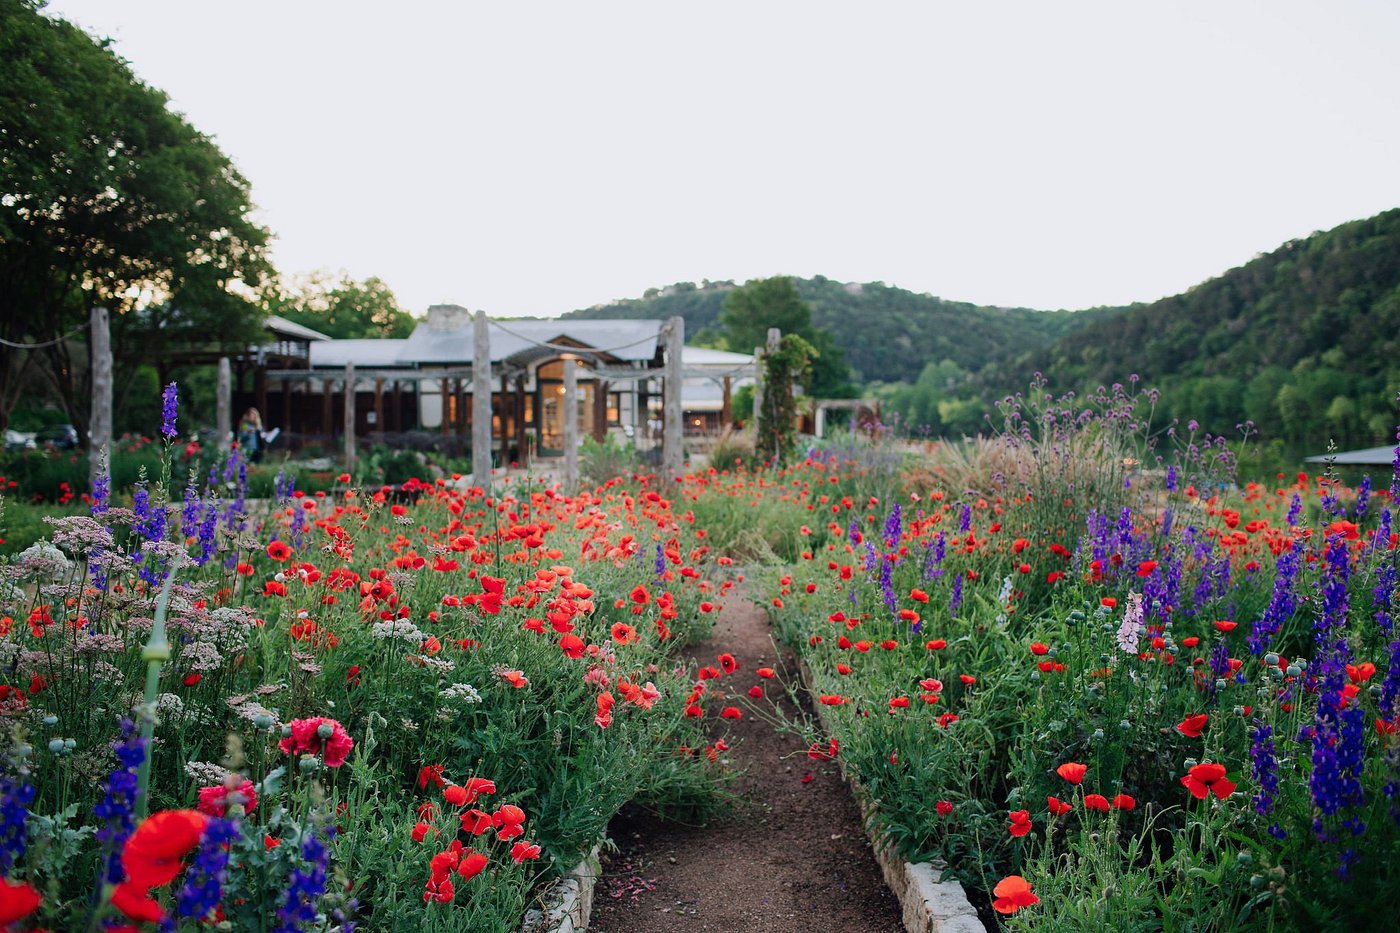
[(551, 409)]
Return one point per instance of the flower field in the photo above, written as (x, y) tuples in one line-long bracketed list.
[(384, 709), (1110, 698), (1106, 696)]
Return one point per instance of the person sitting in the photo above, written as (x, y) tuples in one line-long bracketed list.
[(250, 430)]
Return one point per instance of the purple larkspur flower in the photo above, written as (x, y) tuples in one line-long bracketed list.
[(169, 409), (306, 886), (204, 881), (115, 809)]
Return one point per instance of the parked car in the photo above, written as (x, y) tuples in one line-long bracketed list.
[(19, 440), (61, 436)]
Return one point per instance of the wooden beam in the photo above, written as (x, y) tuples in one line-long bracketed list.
[(100, 419), (570, 426), (223, 402), (349, 417), (481, 401), (672, 454), (378, 404)]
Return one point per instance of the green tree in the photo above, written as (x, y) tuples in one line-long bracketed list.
[(760, 304), (109, 198), (343, 307)]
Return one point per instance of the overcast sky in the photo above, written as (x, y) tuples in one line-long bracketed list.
[(531, 158)]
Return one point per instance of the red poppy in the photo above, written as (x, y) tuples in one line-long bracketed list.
[(730, 712), (938, 644), (1057, 806), (765, 672), (1225, 625), (1205, 779), (1146, 567), (728, 664), (278, 550), (17, 899), (1124, 802), (522, 851), (471, 865), (476, 822), (944, 807), (1012, 893), (756, 692), (832, 699), (572, 646), (1096, 802), (1020, 822), (623, 634), (136, 903), (152, 855), (1072, 771), (215, 800), (1192, 726), (307, 738), (1360, 673), (477, 786)]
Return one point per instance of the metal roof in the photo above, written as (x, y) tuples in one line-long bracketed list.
[(285, 328), (447, 337), (1371, 456), (377, 352)]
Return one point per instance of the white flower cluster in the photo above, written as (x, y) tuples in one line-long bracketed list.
[(397, 628), (461, 693), (1132, 628)]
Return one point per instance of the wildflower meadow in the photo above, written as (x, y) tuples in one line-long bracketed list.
[(1098, 677), (1090, 674), (385, 709)]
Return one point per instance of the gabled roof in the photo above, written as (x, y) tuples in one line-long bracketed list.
[(292, 330), (1371, 456), (446, 337)]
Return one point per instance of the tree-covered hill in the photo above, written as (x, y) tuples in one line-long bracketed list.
[(1303, 341), (886, 333)]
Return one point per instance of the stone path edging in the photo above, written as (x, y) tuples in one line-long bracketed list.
[(566, 906), (930, 905)]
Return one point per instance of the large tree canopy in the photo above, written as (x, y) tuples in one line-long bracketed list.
[(763, 303), (109, 198), (342, 307)]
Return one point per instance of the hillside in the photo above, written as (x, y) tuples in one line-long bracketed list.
[(1304, 341), (886, 333)]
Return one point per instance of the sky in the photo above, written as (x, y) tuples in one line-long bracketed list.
[(534, 158)]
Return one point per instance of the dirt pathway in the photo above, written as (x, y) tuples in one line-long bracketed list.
[(792, 858)]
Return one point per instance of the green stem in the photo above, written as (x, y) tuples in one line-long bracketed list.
[(155, 653)]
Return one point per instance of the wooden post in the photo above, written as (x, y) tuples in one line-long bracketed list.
[(481, 401), (672, 429), (260, 387), (327, 410), (100, 419), (522, 449), (775, 337), (349, 417), (398, 404), (378, 405), (820, 417), (286, 423), (223, 418), (600, 410), (757, 386), (446, 406), (726, 405), (570, 426)]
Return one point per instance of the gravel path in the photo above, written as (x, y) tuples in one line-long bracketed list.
[(792, 857)]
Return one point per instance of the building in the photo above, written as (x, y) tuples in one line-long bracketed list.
[(416, 392)]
